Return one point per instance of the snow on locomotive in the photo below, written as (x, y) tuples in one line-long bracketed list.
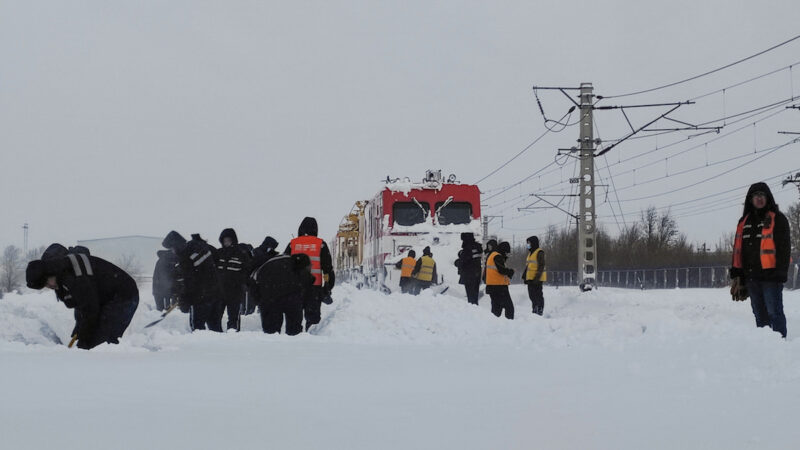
[(406, 215)]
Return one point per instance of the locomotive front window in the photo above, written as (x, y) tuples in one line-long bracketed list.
[(454, 213), (410, 213)]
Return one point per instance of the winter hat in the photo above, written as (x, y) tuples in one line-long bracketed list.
[(490, 246), (79, 249), (228, 233), (534, 241), (504, 248), (55, 251), (308, 227), (174, 240), (764, 189), (467, 237), (35, 276), (426, 251), (269, 243), (412, 253), (300, 261)]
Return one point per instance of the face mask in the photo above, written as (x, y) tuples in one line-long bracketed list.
[(529, 246)]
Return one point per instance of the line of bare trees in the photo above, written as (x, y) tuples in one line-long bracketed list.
[(652, 241), (12, 266)]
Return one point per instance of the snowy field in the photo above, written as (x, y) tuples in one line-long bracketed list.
[(610, 369)]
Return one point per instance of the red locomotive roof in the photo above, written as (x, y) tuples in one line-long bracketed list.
[(468, 193)]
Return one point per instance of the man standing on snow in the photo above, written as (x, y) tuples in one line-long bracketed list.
[(200, 296), (406, 266), (469, 266), (498, 277), (761, 258), (317, 251), (232, 262), (535, 274), (164, 279), (103, 295), (424, 272)]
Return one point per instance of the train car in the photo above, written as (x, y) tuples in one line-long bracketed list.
[(402, 216)]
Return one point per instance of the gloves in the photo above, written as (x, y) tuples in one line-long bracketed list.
[(510, 273), (738, 290), (326, 298)]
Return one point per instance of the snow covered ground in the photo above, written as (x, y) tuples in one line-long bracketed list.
[(609, 369)]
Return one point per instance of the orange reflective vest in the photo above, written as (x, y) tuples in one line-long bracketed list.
[(768, 260), (493, 277), (407, 267), (312, 247), (426, 269)]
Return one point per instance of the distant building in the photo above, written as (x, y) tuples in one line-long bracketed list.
[(134, 254)]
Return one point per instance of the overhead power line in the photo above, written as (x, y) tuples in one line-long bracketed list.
[(685, 80)]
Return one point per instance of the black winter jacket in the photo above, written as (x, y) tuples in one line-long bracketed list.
[(164, 274), (282, 276), (469, 262), (751, 241), (86, 283), (197, 272)]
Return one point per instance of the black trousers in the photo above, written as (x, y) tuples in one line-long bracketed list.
[(162, 301), (537, 297), (406, 285), (234, 297), (473, 288), (115, 316), (290, 306), (501, 301), (419, 285), (206, 314), (312, 305)]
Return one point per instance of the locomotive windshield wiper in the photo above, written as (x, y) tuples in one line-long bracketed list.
[(439, 209), (424, 211)]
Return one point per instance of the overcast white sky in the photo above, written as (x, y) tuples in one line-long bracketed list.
[(121, 118)]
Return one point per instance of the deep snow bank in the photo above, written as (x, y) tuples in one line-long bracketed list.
[(605, 317)]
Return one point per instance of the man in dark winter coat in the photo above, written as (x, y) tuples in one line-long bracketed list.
[(424, 272), (406, 266), (233, 260), (316, 249), (469, 266), (535, 274), (761, 255), (200, 296), (281, 283), (498, 277), (261, 254), (164, 279), (103, 295)]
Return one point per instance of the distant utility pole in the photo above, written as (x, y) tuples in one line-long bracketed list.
[(25, 242), (793, 180), (587, 255), (486, 220)]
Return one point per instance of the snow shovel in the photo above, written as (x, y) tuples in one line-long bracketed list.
[(72, 342), (175, 305)]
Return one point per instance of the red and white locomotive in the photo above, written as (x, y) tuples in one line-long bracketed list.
[(402, 216)]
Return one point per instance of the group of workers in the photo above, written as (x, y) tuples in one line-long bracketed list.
[(197, 278), (206, 282), (419, 274)]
